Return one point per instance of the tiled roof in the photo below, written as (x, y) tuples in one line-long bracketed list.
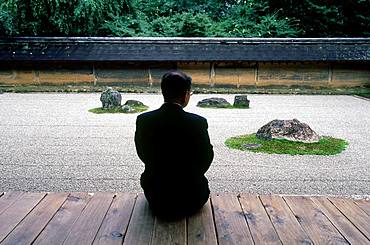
[(183, 49)]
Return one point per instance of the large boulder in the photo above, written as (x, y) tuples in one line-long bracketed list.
[(110, 99), (292, 130), (214, 102), (241, 101)]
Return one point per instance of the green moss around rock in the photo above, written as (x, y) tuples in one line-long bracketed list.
[(226, 107), (365, 95), (223, 107), (197, 89), (326, 146), (219, 107), (137, 109)]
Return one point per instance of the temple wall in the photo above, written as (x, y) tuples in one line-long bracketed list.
[(238, 74), (350, 75), (200, 72), (303, 74), (235, 74), (20, 77)]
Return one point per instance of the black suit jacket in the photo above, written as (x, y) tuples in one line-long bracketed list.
[(175, 148)]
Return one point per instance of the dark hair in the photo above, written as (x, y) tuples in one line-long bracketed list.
[(174, 85)]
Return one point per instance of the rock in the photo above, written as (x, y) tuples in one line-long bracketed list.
[(241, 101), (292, 130), (214, 102), (134, 103), (127, 109), (110, 99)]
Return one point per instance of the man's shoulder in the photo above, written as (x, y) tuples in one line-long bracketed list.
[(156, 114), (148, 114), (195, 117), (147, 117)]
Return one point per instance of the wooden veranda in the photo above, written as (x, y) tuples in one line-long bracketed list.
[(125, 218)]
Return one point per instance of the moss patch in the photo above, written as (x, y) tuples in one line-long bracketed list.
[(326, 146), (137, 109), (223, 107), (365, 95), (197, 89)]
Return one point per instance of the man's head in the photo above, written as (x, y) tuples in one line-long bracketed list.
[(176, 87)]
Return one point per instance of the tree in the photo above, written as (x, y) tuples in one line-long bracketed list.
[(316, 18), (216, 18), (251, 19)]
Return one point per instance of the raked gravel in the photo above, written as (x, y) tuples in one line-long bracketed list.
[(50, 142)]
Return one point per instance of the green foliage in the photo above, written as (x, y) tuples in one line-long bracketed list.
[(195, 25), (184, 25), (248, 20), (365, 95), (195, 18), (318, 18), (7, 23), (122, 26), (326, 145), (59, 17)]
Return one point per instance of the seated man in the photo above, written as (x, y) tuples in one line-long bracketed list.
[(175, 148)]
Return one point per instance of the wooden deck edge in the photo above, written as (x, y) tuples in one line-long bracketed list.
[(355, 197)]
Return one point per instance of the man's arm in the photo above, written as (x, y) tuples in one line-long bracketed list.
[(205, 147), (140, 140)]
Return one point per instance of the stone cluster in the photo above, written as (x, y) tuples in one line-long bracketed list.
[(292, 130), (128, 107), (111, 99), (240, 101)]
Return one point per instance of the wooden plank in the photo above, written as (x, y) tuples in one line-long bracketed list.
[(141, 225), (116, 221), (36, 220), (283, 220), (87, 225), (7, 199), (168, 233), (230, 223), (364, 205), (344, 226), (59, 227), (17, 211), (358, 217), (201, 227), (313, 221), (258, 221)]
